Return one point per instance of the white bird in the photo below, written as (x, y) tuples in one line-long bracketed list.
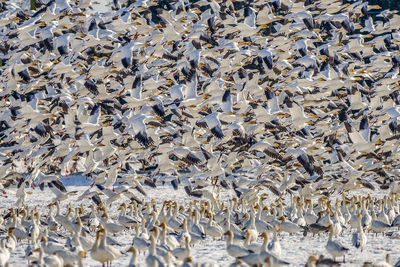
[(182, 253), (334, 247), (139, 129), (62, 44), (4, 253), (274, 246), (233, 249), (359, 239), (213, 123), (227, 101), (299, 119), (108, 251)]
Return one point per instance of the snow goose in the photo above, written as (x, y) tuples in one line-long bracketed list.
[(138, 128), (386, 263), (111, 226), (168, 240), (51, 260), (183, 153), (95, 253), (182, 253), (4, 253), (50, 247), (288, 226), (359, 239), (139, 242), (273, 261), (213, 123), (11, 240), (124, 219), (152, 259), (214, 231), (274, 246), (249, 245), (234, 250), (62, 44), (133, 260), (107, 252), (378, 226), (334, 247), (311, 261)]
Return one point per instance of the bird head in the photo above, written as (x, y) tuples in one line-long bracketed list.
[(132, 250)]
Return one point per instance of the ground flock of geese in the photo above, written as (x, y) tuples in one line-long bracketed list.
[(290, 105)]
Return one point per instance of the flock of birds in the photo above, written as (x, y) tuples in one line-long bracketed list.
[(165, 235), (295, 98)]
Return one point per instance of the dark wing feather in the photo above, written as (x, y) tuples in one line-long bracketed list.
[(226, 96), (364, 123), (175, 184), (58, 184), (100, 187), (206, 154), (133, 198), (188, 189), (187, 115), (274, 190), (224, 184), (303, 159), (201, 124), (273, 153), (150, 183), (318, 170), (141, 138), (159, 110), (141, 190), (191, 159), (91, 86), (217, 131), (24, 74), (96, 199), (196, 193)]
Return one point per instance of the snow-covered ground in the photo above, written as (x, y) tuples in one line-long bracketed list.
[(295, 248)]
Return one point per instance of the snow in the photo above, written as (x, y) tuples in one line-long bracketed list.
[(295, 248)]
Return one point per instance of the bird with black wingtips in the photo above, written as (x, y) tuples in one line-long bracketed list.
[(138, 129), (227, 101), (213, 123)]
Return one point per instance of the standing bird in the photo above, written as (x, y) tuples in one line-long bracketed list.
[(334, 247), (359, 239)]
